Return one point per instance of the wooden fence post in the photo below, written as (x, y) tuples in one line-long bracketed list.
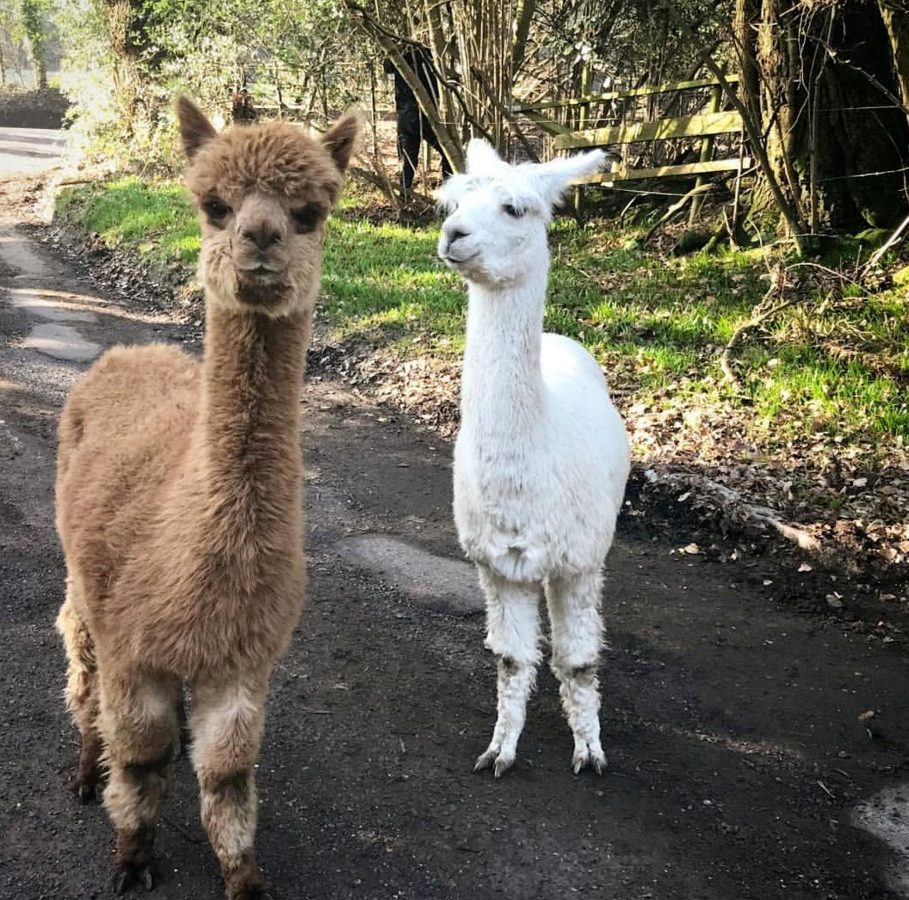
[(716, 97), (583, 115)]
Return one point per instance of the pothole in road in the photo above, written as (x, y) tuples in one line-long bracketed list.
[(61, 342), (886, 816), (33, 303), (442, 584)]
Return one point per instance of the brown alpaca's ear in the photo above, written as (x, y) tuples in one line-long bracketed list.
[(195, 129), (341, 139)]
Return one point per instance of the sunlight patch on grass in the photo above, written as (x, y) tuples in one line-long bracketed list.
[(657, 325), (157, 220)]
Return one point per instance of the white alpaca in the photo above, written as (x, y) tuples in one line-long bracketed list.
[(542, 456)]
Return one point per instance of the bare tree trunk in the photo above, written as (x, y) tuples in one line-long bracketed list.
[(135, 61), (523, 18), (36, 35), (442, 47), (126, 79), (835, 138), (744, 31), (896, 21)]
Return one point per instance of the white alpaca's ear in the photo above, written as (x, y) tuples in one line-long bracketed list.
[(557, 175), (195, 129), (482, 158)]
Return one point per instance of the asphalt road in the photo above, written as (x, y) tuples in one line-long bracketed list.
[(30, 149)]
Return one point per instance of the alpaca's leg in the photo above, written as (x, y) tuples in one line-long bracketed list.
[(139, 726), (408, 147), (577, 634), (513, 626), (82, 695), (227, 720)]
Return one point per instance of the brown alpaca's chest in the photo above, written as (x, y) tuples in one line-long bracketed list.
[(209, 615)]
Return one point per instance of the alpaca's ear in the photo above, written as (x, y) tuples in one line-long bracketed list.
[(341, 139), (482, 158), (557, 175), (195, 129)]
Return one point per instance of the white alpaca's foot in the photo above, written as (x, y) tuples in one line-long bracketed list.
[(512, 620), (515, 683), (495, 759), (588, 754), (580, 694), (577, 630)]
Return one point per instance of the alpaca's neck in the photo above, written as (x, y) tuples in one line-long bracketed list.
[(253, 371), (502, 387)]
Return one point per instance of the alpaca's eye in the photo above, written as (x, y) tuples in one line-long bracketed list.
[(306, 217), (512, 211), (216, 209)]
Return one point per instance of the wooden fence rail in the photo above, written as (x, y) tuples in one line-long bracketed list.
[(703, 125)]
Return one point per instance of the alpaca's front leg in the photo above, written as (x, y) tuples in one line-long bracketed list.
[(227, 722), (513, 625), (82, 696), (577, 634), (138, 722)]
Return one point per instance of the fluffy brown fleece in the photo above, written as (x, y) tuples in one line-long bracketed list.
[(179, 497)]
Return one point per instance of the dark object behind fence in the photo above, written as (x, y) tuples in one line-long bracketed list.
[(413, 126)]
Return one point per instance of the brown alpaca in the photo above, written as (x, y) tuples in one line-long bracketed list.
[(179, 496)]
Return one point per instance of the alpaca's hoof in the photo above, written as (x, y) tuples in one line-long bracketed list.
[(245, 881), (89, 791), (127, 877), (498, 761), (503, 764), (255, 891), (589, 758)]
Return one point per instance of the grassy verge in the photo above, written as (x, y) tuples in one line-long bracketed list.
[(657, 324)]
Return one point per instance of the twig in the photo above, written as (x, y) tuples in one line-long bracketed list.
[(736, 338), (377, 177), (836, 273), (507, 115), (759, 314), (735, 507), (842, 353), (677, 207), (890, 242)]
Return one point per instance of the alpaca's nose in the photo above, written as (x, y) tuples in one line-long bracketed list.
[(262, 235), (453, 233)]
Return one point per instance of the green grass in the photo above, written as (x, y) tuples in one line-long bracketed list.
[(157, 220), (658, 325)]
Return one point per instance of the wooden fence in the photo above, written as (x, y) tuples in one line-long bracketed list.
[(703, 125)]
